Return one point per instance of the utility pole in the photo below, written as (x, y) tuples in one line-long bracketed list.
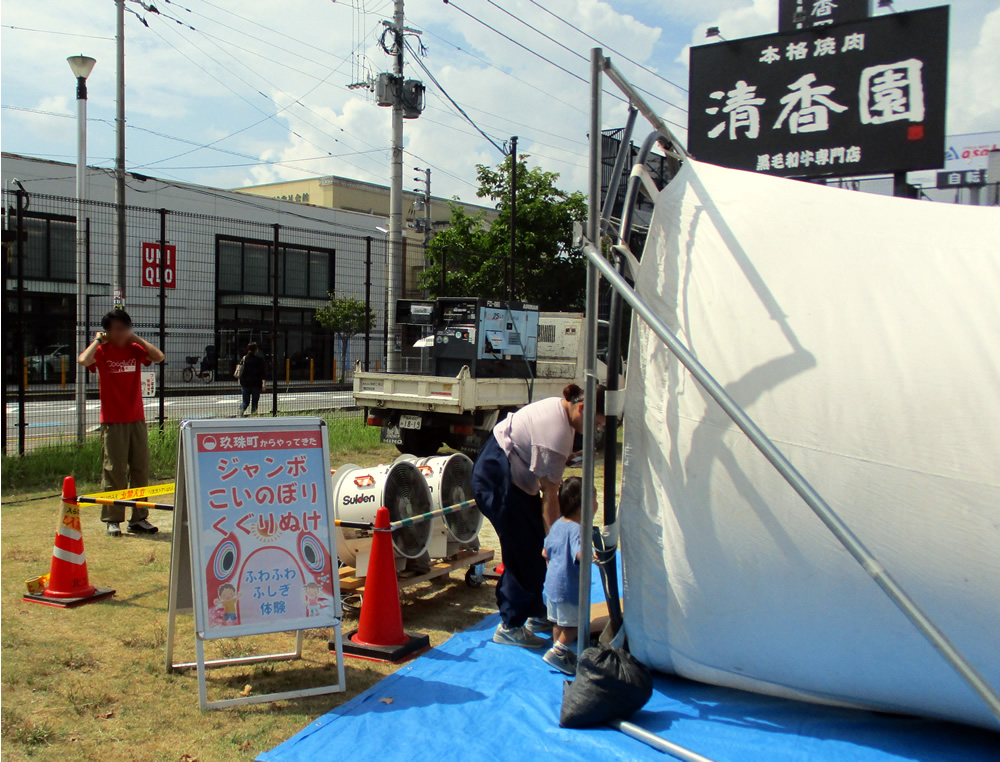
[(395, 191), (513, 214), (121, 246), (425, 191), (427, 212)]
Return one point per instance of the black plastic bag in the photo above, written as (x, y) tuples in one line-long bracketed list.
[(610, 684)]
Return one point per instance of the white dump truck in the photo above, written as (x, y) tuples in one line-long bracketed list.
[(486, 358)]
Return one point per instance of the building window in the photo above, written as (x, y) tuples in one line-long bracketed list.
[(320, 275), (50, 248), (247, 267)]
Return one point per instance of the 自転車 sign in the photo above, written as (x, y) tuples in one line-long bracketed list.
[(847, 99), (966, 178)]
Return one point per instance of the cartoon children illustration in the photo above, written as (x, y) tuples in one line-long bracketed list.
[(312, 592), (228, 598)]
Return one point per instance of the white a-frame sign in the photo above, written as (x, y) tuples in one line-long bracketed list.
[(253, 547)]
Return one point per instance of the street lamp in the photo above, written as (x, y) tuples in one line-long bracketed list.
[(81, 66)]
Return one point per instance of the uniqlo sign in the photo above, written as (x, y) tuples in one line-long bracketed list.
[(843, 99), (151, 266)]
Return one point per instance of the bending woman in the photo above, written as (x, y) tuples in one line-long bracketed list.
[(516, 482)]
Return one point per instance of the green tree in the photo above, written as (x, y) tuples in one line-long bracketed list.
[(345, 318), (547, 271)]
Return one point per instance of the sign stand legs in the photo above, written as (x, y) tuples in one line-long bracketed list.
[(201, 664)]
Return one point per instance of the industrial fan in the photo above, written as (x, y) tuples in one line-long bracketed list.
[(449, 478), (357, 495)]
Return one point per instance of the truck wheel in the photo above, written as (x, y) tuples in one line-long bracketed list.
[(420, 442)]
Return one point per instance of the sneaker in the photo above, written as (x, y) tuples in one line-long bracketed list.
[(114, 529), (142, 527), (561, 659), (517, 636), (538, 625)]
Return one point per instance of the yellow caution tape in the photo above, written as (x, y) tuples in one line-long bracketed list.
[(135, 493)]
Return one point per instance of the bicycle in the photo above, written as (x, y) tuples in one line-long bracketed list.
[(191, 372)]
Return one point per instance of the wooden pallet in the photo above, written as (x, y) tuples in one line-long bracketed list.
[(464, 559)]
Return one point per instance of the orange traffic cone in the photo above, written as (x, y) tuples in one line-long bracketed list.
[(69, 584), (380, 635)]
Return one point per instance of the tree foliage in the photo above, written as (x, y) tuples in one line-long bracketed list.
[(547, 271), (344, 318)]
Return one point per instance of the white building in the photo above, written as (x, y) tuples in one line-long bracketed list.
[(221, 268)]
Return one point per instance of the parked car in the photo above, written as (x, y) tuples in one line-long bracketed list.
[(46, 367)]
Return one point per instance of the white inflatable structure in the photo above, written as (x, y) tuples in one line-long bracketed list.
[(862, 333)]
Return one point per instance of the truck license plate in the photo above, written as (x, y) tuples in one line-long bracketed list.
[(409, 421), (391, 435)]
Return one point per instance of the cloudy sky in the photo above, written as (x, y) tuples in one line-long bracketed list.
[(228, 93)]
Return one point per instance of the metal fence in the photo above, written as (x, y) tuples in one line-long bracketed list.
[(223, 283)]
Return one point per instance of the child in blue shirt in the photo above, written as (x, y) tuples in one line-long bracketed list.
[(562, 578)]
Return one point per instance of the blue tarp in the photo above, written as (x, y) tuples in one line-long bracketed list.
[(473, 699)]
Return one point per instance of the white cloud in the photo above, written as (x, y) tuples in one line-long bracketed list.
[(973, 105), (759, 17), (171, 91)]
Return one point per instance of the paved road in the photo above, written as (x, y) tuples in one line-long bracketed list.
[(50, 422)]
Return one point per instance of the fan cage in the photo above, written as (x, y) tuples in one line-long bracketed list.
[(456, 487), (406, 495)]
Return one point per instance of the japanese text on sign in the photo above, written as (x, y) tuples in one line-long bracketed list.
[(795, 15), (264, 529), (847, 99)]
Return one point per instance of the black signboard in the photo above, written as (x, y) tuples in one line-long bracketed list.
[(795, 15), (963, 178), (847, 99)]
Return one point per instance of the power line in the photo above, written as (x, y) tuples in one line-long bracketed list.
[(279, 162), (451, 100), (267, 116), (441, 169), (576, 53), (539, 55), (533, 86), (534, 141), (301, 103), (209, 146), (50, 31), (605, 45)]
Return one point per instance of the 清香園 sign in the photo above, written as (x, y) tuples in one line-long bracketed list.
[(847, 99)]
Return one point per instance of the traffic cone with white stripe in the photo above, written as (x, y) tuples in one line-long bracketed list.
[(380, 635), (69, 584)]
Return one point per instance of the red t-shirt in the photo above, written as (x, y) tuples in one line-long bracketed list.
[(121, 392)]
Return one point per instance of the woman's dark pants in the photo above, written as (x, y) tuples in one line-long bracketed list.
[(517, 518)]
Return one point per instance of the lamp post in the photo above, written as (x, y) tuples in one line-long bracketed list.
[(81, 66)]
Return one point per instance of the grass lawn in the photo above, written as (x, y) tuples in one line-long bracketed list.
[(90, 683)]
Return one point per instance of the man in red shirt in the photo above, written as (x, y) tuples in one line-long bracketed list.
[(116, 355)]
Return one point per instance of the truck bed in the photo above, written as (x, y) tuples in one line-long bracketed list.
[(439, 394)]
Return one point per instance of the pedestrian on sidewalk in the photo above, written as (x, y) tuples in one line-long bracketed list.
[(251, 375), (116, 355)]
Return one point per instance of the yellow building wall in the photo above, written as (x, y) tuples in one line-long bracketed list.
[(368, 198)]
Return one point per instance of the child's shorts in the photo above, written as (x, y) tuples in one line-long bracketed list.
[(563, 613)]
